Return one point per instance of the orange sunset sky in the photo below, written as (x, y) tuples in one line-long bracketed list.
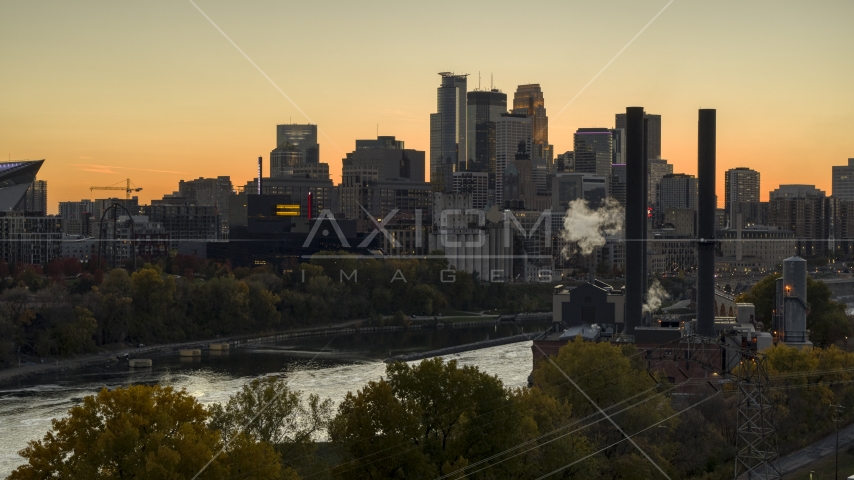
[(152, 91)]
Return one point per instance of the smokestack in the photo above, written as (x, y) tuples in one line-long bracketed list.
[(259, 175), (706, 145), (636, 204)]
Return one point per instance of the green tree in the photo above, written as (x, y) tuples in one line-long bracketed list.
[(141, 432), (284, 420)]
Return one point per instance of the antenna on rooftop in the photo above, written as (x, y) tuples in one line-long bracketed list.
[(490, 81), (478, 79)]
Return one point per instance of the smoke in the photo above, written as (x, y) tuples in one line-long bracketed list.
[(587, 228), (654, 297)]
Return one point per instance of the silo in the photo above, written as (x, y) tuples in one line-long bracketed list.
[(795, 277)]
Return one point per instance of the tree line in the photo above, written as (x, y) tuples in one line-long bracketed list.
[(438, 419), (69, 308)]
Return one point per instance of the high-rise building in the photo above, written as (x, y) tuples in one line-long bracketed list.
[(653, 133), (213, 192), (594, 151), (619, 146), (76, 217), (805, 210), (484, 108), (843, 181), (283, 159), (303, 138), (367, 172), (16, 176), (510, 130), (567, 187), (741, 185), (565, 162), (677, 190), (529, 101), (29, 239), (618, 182), (448, 129), (656, 170), (34, 200)]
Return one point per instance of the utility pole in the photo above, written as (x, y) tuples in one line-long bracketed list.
[(837, 412)]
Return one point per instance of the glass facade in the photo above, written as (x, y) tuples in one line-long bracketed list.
[(302, 137), (448, 130), (594, 151), (484, 107)]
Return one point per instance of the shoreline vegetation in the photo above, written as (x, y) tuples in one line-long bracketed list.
[(66, 314)]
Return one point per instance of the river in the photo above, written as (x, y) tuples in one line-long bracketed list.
[(327, 366)]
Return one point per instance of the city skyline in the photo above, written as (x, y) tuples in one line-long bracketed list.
[(159, 95)]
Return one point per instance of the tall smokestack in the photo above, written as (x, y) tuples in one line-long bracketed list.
[(706, 146), (260, 170), (636, 204)]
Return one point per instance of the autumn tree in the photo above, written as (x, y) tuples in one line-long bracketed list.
[(142, 432), (268, 411)]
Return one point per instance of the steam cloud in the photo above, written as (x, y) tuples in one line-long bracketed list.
[(587, 228), (654, 297)]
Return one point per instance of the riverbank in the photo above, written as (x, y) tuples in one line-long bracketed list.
[(107, 356)]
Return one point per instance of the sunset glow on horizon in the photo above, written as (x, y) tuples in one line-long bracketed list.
[(151, 91)]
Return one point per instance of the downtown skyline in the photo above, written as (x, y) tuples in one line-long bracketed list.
[(157, 94)]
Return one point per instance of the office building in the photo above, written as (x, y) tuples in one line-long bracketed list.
[(16, 177), (843, 181), (212, 192), (656, 170), (653, 133), (756, 247), (593, 151), (565, 162), (805, 210), (283, 159), (484, 108), (475, 184), (448, 129), (677, 190), (618, 140), (510, 130), (528, 100), (27, 239), (379, 179), (567, 187), (740, 185), (185, 221), (301, 138), (618, 182), (682, 221)]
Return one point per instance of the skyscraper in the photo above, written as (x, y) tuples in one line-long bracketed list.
[(510, 130), (302, 137), (656, 170), (653, 133), (740, 185), (529, 100), (448, 130), (677, 190), (594, 151), (484, 108), (843, 181), (619, 150)]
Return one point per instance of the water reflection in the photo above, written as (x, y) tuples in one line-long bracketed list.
[(312, 365)]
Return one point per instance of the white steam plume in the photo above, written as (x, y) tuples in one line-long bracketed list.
[(654, 297), (587, 228)]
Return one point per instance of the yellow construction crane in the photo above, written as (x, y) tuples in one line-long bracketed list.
[(128, 189)]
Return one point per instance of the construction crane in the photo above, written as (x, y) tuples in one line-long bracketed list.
[(128, 189)]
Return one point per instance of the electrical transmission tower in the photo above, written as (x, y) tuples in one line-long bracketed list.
[(757, 437)]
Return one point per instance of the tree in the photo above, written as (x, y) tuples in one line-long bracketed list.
[(141, 432), (283, 420), (436, 418), (609, 375)]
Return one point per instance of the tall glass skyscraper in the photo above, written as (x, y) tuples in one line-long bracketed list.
[(448, 131), (484, 108), (653, 140), (529, 100), (302, 138), (594, 151)]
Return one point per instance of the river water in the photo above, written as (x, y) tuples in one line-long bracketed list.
[(327, 366)]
